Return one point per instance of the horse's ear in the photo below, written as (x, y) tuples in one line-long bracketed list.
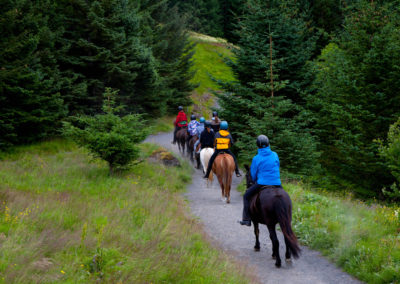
[(247, 167)]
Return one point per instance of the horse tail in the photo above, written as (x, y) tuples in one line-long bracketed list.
[(284, 219)]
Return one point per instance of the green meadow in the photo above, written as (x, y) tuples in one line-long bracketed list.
[(209, 63), (64, 219)]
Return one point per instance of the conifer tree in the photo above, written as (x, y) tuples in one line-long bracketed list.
[(262, 102), (30, 105), (172, 49), (101, 47), (358, 98)]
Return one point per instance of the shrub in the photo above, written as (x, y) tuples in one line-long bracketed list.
[(108, 136), (391, 154)]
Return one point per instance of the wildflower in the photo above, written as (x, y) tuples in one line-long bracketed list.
[(62, 271)]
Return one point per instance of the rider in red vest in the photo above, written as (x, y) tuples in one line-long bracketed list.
[(180, 121)]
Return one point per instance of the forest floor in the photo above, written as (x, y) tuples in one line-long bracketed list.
[(220, 223)]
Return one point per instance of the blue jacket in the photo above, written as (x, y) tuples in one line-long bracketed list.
[(265, 167)]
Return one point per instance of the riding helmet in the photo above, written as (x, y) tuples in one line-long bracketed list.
[(223, 125), (207, 124), (215, 113), (180, 108), (202, 120), (262, 141), (192, 117)]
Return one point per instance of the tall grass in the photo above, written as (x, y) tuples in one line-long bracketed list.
[(64, 219), (209, 62)]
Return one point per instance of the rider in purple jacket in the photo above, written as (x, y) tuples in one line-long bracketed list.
[(264, 172)]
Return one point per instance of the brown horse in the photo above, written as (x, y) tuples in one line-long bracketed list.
[(270, 206), (190, 146), (223, 167), (181, 137)]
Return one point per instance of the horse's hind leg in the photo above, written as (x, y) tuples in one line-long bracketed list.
[(257, 234), (275, 245), (287, 254)]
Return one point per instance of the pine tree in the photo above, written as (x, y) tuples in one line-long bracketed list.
[(268, 68), (358, 98), (172, 49), (30, 105), (102, 47)]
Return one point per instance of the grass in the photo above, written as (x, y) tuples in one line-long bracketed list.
[(64, 219), (362, 238), (162, 124), (208, 61)]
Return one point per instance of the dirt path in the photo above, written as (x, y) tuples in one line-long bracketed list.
[(220, 223)]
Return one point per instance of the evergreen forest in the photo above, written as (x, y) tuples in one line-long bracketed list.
[(320, 78)]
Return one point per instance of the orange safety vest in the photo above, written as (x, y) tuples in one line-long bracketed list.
[(222, 142)]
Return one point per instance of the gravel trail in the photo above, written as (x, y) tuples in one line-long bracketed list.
[(220, 223)]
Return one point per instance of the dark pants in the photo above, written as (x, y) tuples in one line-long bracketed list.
[(216, 152), (250, 192)]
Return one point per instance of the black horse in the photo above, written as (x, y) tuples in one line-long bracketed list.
[(271, 206)]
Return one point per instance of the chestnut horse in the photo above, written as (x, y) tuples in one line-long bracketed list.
[(181, 137), (223, 167), (270, 206)]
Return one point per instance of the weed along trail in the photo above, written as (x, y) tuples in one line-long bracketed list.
[(220, 223)]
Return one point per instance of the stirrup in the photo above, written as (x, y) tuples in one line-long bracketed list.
[(245, 222)]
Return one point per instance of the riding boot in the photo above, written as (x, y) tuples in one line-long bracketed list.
[(246, 220)]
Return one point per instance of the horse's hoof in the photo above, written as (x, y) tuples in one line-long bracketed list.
[(288, 260), (278, 265), (228, 201), (256, 249)]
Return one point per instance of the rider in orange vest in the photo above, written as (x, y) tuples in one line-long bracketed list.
[(222, 142)]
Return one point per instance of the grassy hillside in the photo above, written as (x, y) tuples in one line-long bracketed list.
[(209, 63), (63, 219)]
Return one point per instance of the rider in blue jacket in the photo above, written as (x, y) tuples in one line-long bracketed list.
[(264, 171)]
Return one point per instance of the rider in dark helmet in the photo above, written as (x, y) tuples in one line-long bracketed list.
[(207, 136), (264, 172), (180, 122), (222, 142)]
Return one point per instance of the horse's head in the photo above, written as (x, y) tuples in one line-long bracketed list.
[(249, 180)]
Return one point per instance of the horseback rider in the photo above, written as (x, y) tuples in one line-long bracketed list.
[(199, 130), (215, 123), (207, 136), (264, 171), (222, 142), (192, 128), (180, 122)]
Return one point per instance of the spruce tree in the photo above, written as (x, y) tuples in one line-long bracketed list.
[(358, 98), (30, 104), (102, 47), (167, 35), (268, 69)]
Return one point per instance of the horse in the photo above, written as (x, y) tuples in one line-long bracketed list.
[(223, 167), (181, 137), (205, 155), (190, 146), (269, 207)]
